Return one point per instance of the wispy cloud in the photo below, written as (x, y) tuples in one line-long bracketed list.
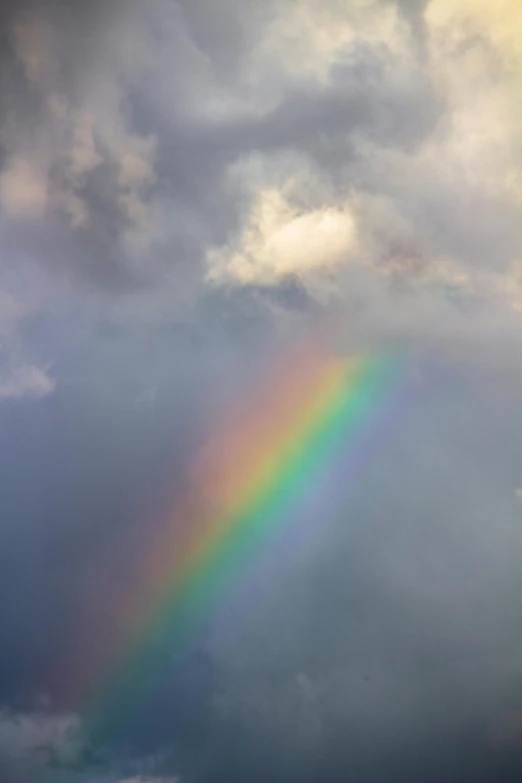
[(28, 381)]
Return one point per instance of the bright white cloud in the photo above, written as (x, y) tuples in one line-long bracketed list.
[(279, 240)]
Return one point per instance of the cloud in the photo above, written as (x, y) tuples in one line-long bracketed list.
[(23, 190), (28, 381), (77, 159), (132, 167), (35, 47), (280, 241), (33, 739), (19, 378), (150, 780), (186, 189), (135, 153), (307, 40)]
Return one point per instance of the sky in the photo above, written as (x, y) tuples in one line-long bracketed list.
[(188, 191)]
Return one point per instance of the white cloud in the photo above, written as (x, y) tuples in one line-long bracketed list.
[(23, 189), (88, 160), (30, 738), (26, 381), (280, 239), (84, 157), (441, 214), (305, 40), (499, 22)]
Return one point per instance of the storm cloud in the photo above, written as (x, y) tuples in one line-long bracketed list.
[(187, 190)]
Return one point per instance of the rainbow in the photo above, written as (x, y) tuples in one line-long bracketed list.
[(252, 479)]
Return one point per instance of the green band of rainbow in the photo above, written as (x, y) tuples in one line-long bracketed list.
[(256, 471)]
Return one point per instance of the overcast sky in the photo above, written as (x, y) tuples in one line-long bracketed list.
[(186, 190)]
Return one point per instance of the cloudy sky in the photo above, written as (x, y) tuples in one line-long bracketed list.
[(187, 188)]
